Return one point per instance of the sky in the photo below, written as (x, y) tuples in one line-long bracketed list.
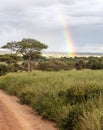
[(49, 20)]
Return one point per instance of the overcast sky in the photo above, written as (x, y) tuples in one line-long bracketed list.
[(40, 19)]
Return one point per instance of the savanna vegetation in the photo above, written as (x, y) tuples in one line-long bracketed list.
[(26, 55), (67, 90), (15, 63), (73, 99), (29, 49)]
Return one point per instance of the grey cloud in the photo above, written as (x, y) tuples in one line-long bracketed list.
[(42, 19), (89, 36)]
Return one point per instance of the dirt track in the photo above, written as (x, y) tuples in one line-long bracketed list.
[(14, 116)]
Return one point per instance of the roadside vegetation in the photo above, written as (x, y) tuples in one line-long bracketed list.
[(67, 90), (73, 99)]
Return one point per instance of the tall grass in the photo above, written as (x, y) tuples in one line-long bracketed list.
[(74, 99)]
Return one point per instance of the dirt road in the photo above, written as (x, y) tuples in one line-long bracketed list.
[(14, 116)]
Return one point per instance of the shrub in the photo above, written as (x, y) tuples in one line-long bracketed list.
[(13, 67), (52, 65), (72, 121), (3, 69)]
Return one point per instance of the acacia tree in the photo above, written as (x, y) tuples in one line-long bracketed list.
[(29, 48)]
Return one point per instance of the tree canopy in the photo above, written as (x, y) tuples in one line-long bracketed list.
[(29, 48)]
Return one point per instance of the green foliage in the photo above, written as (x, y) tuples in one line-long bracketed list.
[(26, 47), (10, 45), (80, 64), (95, 63), (79, 94), (52, 65), (10, 58), (74, 99), (30, 49), (14, 67), (65, 63), (36, 61), (72, 122), (3, 69)]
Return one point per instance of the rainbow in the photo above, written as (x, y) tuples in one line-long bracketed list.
[(67, 36), (66, 33)]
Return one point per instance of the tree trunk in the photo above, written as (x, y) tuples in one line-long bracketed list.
[(28, 65)]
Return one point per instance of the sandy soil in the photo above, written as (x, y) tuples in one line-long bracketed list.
[(14, 116)]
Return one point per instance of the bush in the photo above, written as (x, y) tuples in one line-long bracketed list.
[(79, 94), (10, 58), (3, 69), (72, 121), (52, 65), (14, 67)]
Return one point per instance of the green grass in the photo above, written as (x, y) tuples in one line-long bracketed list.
[(74, 99)]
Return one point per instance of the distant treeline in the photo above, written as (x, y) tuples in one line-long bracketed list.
[(14, 63)]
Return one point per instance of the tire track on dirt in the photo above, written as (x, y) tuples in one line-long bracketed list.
[(14, 116)]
